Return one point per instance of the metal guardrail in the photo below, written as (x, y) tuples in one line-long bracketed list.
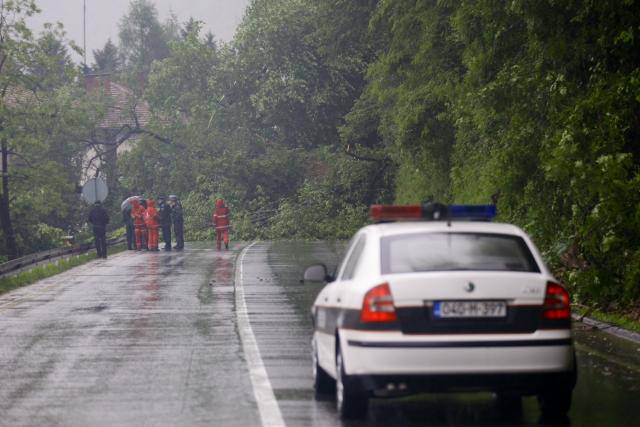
[(52, 254)]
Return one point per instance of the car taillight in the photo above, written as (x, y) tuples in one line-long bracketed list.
[(377, 305), (556, 302)]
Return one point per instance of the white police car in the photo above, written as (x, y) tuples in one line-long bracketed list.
[(445, 304)]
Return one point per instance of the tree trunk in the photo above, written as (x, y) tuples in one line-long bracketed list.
[(111, 171), (5, 215)]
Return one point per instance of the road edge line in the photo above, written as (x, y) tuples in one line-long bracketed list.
[(268, 408)]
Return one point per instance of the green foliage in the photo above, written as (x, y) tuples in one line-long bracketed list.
[(623, 319), (412, 81), (42, 272), (143, 39), (533, 103), (256, 122), (198, 209), (107, 59), (293, 76), (43, 119)]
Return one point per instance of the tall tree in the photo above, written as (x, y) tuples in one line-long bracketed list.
[(191, 26), (15, 41), (107, 59), (49, 45), (143, 39), (41, 122)]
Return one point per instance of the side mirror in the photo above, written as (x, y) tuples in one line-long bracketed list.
[(317, 273)]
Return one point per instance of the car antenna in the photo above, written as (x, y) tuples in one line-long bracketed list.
[(435, 211)]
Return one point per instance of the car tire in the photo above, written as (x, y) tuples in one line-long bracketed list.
[(555, 403), (351, 401), (509, 403), (323, 384)]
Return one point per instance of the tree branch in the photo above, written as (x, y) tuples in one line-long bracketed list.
[(21, 157), (348, 151)]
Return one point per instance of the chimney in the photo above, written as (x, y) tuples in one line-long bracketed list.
[(91, 83), (95, 82)]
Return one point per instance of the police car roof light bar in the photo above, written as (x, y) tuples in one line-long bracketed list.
[(432, 212)]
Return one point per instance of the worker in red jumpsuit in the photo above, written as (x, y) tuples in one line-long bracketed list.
[(137, 213), (152, 221), (220, 221)]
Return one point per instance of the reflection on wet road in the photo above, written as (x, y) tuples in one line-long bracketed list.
[(152, 339), (138, 339)]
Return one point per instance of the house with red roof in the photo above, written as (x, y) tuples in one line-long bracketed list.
[(124, 120)]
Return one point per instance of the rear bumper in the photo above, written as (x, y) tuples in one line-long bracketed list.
[(525, 384), (475, 358)]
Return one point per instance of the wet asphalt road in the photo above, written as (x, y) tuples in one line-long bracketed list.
[(153, 339), (137, 339)]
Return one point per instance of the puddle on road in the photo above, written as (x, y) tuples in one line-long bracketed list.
[(608, 390), (219, 273), (205, 293), (94, 309)]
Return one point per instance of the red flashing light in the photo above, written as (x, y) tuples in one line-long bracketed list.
[(377, 305), (556, 303), (380, 213)]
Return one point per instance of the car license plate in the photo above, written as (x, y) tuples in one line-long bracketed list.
[(461, 309)]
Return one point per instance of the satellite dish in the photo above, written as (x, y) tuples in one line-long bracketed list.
[(95, 190)]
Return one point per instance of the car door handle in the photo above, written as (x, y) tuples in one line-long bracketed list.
[(326, 299), (338, 300)]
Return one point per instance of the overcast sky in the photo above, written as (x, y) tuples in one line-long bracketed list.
[(220, 16)]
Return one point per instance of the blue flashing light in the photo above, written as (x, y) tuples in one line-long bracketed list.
[(473, 212)]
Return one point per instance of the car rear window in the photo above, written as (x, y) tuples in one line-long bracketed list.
[(455, 251)]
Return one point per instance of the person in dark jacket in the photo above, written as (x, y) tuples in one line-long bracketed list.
[(128, 223), (99, 218), (177, 219), (165, 222)]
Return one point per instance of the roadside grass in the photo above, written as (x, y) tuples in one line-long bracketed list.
[(622, 320), (55, 267)]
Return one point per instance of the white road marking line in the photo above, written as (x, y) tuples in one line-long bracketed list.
[(270, 414)]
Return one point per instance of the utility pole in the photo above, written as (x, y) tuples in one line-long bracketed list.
[(84, 34)]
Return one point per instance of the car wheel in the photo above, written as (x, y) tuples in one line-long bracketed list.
[(509, 403), (322, 383), (555, 403), (351, 401)]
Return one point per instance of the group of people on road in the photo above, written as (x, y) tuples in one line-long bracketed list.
[(143, 222)]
